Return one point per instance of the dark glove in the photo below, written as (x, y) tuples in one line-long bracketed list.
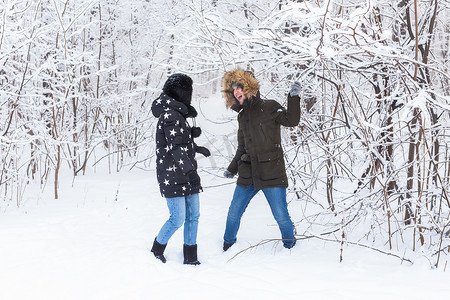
[(194, 180), (202, 150), (196, 131), (295, 89), (228, 174)]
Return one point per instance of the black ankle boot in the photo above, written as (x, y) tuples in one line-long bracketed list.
[(190, 254), (158, 250), (226, 246)]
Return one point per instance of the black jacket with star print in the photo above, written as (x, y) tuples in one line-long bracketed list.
[(175, 153)]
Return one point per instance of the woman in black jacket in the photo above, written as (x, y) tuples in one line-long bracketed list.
[(176, 166)]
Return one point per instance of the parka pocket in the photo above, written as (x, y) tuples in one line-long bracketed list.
[(271, 165), (245, 170)]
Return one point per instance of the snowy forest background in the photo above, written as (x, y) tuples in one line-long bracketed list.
[(371, 156)]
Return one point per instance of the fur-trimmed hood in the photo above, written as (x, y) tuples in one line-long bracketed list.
[(245, 79)]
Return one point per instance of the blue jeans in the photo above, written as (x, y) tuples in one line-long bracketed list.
[(277, 201), (182, 210)]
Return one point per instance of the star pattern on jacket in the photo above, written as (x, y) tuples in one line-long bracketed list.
[(172, 168), (175, 154)]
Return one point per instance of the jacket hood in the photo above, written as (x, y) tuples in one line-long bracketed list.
[(164, 103), (240, 77)]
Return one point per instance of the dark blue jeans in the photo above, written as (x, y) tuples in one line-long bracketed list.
[(277, 201)]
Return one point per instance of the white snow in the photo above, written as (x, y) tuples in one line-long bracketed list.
[(88, 245)]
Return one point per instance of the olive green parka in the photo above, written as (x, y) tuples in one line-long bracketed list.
[(259, 158)]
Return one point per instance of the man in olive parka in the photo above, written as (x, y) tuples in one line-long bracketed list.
[(259, 159)]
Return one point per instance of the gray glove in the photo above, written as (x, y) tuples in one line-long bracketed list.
[(295, 89), (228, 174)]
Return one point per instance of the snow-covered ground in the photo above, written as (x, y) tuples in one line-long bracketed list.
[(94, 243)]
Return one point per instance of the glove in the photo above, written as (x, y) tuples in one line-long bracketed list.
[(196, 131), (295, 89), (194, 180), (228, 174), (202, 150)]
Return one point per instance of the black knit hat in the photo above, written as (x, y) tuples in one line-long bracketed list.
[(179, 87)]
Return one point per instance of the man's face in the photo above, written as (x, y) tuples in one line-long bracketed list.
[(239, 94)]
